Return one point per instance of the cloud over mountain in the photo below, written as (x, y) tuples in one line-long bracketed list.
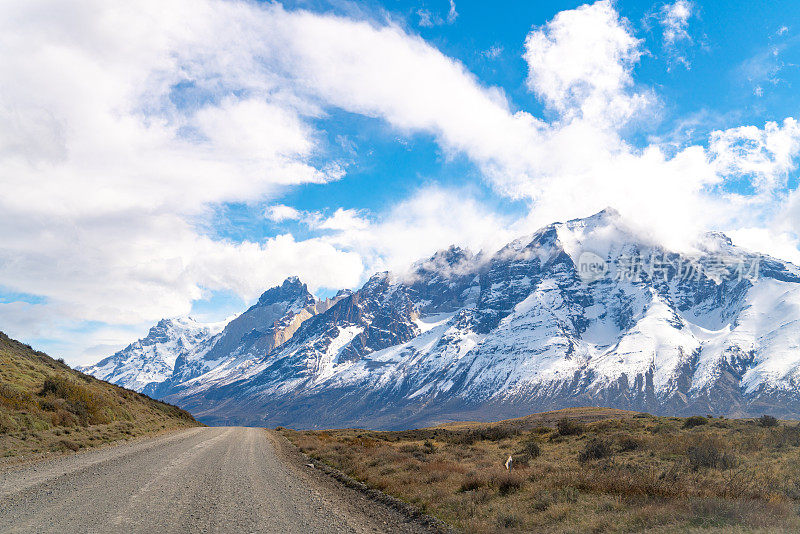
[(122, 129)]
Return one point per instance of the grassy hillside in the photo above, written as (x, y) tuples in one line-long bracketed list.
[(583, 470), (46, 406)]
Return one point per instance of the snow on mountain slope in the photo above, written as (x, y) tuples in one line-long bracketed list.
[(769, 329), (234, 353), (579, 313), (152, 358), (177, 351)]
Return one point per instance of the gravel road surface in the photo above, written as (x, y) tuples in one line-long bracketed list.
[(223, 479)]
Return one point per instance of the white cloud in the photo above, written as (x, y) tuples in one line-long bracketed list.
[(780, 244), (428, 19), (765, 155), (581, 62), (675, 21), (765, 67), (108, 182), (343, 219), (493, 52), (429, 220), (104, 177), (280, 213), (452, 15)]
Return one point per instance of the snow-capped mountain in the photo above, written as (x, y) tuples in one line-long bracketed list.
[(585, 312), (267, 324), (152, 358)]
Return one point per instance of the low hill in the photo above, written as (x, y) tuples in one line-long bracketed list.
[(582, 470), (46, 406)]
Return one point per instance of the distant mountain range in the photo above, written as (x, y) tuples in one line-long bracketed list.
[(580, 313)]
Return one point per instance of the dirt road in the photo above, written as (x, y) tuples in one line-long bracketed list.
[(199, 480)]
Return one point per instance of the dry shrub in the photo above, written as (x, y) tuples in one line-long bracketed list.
[(86, 405), (655, 488), (629, 443), (495, 433), (712, 511), (568, 427), (607, 424), (505, 482), (472, 481), (529, 449), (710, 453), (62, 418), (365, 442), (69, 445), (767, 421), (783, 437), (521, 461), (508, 521), (443, 466), (596, 449), (409, 448), (631, 480), (695, 420), (541, 502), (14, 398), (324, 437), (568, 495), (7, 423), (472, 435)]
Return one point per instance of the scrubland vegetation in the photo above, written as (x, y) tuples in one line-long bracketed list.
[(583, 470), (45, 407)]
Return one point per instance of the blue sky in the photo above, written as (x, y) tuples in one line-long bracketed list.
[(184, 166)]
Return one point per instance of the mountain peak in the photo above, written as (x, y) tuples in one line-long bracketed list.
[(452, 255), (168, 323), (603, 217), (379, 278), (291, 289), (607, 212), (181, 320), (447, 262), (718, 237)]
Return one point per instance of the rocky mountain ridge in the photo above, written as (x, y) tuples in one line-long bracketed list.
[(579, 313)]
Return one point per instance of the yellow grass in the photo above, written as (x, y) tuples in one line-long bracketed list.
[(47, 407), (605, 471)]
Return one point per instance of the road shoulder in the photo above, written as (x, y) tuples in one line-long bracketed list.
[(358, 500)]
